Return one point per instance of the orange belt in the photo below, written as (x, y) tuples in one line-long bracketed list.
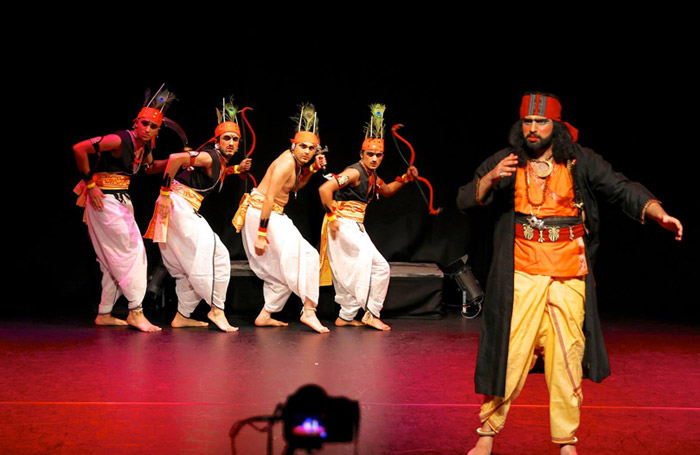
[(253, 199)]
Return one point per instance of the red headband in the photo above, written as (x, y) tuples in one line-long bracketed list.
[(227, 127), (306, 136), (153, 114), (547, 106), (375, 144)]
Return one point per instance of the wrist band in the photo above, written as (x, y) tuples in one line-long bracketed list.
[(165, 191), (313, 169), (402, 179), (236, 170), (262, 232), (91, 184), (331, 217)]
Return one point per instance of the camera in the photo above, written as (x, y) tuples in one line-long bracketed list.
[(312, 418)]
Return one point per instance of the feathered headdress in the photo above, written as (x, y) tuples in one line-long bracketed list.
[(307, 125), (154, 107), (228, 123), (374, 129)]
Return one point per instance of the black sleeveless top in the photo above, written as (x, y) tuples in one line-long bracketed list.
[(197, 177), (364, 192), (124, 164)]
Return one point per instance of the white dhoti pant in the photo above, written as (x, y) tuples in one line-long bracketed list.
[(360, 273), (120, 252), (289, 264), (195, 256)]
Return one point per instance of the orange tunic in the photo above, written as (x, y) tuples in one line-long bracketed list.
[(556, 259)]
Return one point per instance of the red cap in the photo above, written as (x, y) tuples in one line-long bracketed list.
[(227, 127), (375, 144), (153, 114), (306, 136)]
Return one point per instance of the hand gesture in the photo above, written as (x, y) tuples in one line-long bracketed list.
[(505, 168), (320, 161), (411, 173), (672, 224), (244, 166), (260, 245), (96, 196), (333, 228), (164, 204)]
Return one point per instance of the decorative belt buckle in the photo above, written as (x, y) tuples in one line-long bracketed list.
[(553, 233), (535, 222)]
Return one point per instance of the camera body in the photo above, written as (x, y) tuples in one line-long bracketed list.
[(312, 418)]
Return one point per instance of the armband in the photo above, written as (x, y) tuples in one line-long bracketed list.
[(342, 180), (95, 142)]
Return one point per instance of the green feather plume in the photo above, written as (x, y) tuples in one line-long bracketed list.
[(375, 127), (162, 99), (307, 118), (228, 112)]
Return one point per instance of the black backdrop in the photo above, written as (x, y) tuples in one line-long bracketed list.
[(455, 99)]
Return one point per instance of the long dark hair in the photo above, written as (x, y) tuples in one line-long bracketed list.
[(562, 145)]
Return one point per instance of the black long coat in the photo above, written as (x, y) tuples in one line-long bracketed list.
[(594, 178)]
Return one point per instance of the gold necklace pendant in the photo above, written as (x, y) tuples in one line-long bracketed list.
[(542, 168)]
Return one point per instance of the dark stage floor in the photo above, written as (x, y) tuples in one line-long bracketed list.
[(70, 387)]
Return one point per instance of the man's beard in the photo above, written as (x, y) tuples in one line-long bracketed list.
[(540, 144)]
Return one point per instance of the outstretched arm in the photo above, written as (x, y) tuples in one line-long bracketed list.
[(657, 213), (389, 189)]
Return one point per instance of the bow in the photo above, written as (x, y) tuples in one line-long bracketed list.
[(173, 125), (396, 135), (250, 152)]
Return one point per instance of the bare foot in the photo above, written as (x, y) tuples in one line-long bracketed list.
[(484, 444), (137, 319), (218, 317), (108, 319), (180, 321), (308, 317), (370, 320), (343, 323), (264, 319), (568, 449)]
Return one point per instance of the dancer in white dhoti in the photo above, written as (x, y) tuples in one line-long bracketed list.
[(349, 259), (192, 253), (276, 250), (109, 213)]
